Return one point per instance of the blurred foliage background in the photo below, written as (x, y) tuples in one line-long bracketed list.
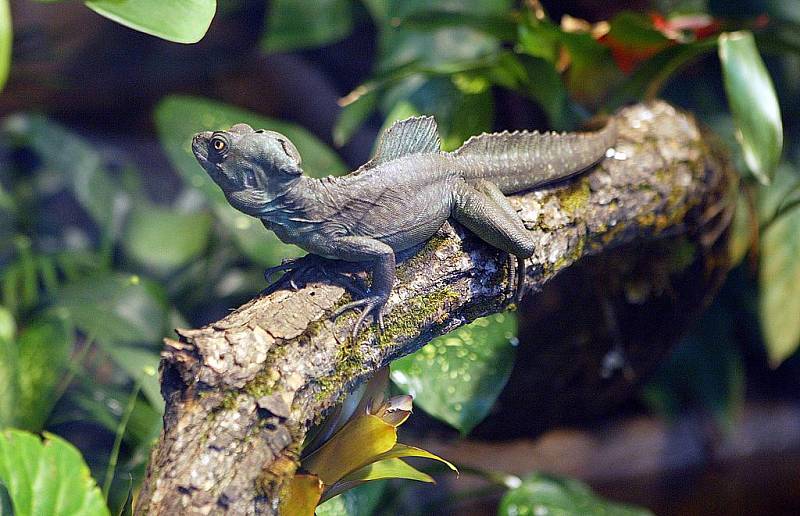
[(111, 235)]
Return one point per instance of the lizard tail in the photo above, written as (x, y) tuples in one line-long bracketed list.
[(522, 160)]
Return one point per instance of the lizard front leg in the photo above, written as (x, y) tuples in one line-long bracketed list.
[(299, 269), (363, 249), (485, 211)]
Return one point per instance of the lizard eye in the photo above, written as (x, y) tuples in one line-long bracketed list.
[(219, 145)]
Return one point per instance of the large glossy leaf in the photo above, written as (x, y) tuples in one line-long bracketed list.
[(753, 102), (115, 308), (779, 271), (544, 494), (295, 24), (457, 377), (43, 355), (178, 118), (181, 21), (5, 41), (500, 25), (164, 239), (402, 45), (47, 478)]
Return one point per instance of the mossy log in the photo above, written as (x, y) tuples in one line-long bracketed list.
[(242, 392)]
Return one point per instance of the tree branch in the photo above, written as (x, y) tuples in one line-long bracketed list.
[(241, 392)]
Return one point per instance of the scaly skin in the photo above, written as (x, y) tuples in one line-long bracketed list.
[(400, 198)]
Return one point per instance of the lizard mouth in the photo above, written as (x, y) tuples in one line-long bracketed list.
[(200, 146)]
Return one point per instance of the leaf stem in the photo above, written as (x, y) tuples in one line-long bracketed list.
[(123, 423)]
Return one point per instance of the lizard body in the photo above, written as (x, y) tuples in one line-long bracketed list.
[(401, 197)]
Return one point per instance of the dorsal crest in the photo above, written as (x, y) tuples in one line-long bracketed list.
[(415, 135)]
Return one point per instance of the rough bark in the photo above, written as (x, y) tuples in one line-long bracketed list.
[(241, 392)]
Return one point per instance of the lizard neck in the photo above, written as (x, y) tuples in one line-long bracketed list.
[(275, 203)]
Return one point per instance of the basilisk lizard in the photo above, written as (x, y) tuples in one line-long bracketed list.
[(398, 199)]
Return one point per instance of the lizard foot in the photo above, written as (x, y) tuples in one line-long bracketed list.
[(371, 305), (299, 269), (517, 276)]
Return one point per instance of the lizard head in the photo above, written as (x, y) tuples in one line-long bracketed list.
[(251, 167)]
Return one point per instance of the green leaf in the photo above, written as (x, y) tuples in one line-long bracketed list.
[(49, 477), (401, 450), (74, 160), (554, 496), (779, 286), (8, 326), (296, 24), (538, 79), (181, 21), (115, 308), (742, 234), (401, 45), (141, 364), (178, 118), (381, 470), (43, 355), (95, 400), (783, 191), (501, 25), (165, 239), (636, 31), (458, 114), (753, 102), (457, 377), (9, 389), (363, 500), (5, 41)]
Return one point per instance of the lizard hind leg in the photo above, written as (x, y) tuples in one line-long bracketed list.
[(485, 211)]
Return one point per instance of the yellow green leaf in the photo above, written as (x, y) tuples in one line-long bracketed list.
[(181, 21), (354, 446), (400, 450), (5, 41), (302, 495), (384, 469)]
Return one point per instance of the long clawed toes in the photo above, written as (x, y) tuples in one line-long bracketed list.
[(371, 305), (521, 275)]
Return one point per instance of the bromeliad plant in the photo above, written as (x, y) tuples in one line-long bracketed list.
[(362, 448)]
